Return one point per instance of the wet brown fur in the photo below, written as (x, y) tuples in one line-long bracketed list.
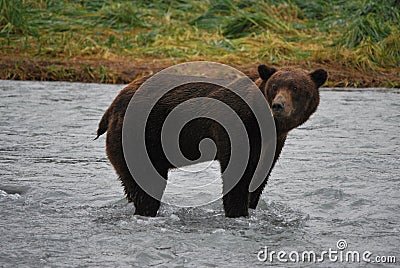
[(299, 91)]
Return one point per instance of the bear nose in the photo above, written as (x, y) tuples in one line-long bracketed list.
[(278, 106)]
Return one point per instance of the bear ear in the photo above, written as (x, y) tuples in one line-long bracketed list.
[(265, 72), (319, 77)]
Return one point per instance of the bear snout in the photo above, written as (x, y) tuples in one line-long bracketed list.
[(277, 107), (282, 105)]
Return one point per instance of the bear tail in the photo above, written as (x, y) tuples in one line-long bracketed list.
[(103, 125)]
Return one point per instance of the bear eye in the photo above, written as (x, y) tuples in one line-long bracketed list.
[(274, 87), (294, 88)]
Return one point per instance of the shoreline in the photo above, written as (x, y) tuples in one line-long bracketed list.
[(125, 70)]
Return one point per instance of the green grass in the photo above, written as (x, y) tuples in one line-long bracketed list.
[(363, 34)]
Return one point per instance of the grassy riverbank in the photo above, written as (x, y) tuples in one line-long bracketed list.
[(111, 41)]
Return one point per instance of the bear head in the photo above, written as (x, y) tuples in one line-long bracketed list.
[(292, 94)]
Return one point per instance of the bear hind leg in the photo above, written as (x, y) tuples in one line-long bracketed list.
[(145, 204)]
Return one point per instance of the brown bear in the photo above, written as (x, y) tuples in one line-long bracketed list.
[(291, 93)]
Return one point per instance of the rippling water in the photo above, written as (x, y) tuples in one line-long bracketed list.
[(62, 205)]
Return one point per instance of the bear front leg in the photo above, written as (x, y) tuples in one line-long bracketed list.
[(236, 197), (254, 197), (236, 201)]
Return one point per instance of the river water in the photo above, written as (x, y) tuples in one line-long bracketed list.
[(61, 204)]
